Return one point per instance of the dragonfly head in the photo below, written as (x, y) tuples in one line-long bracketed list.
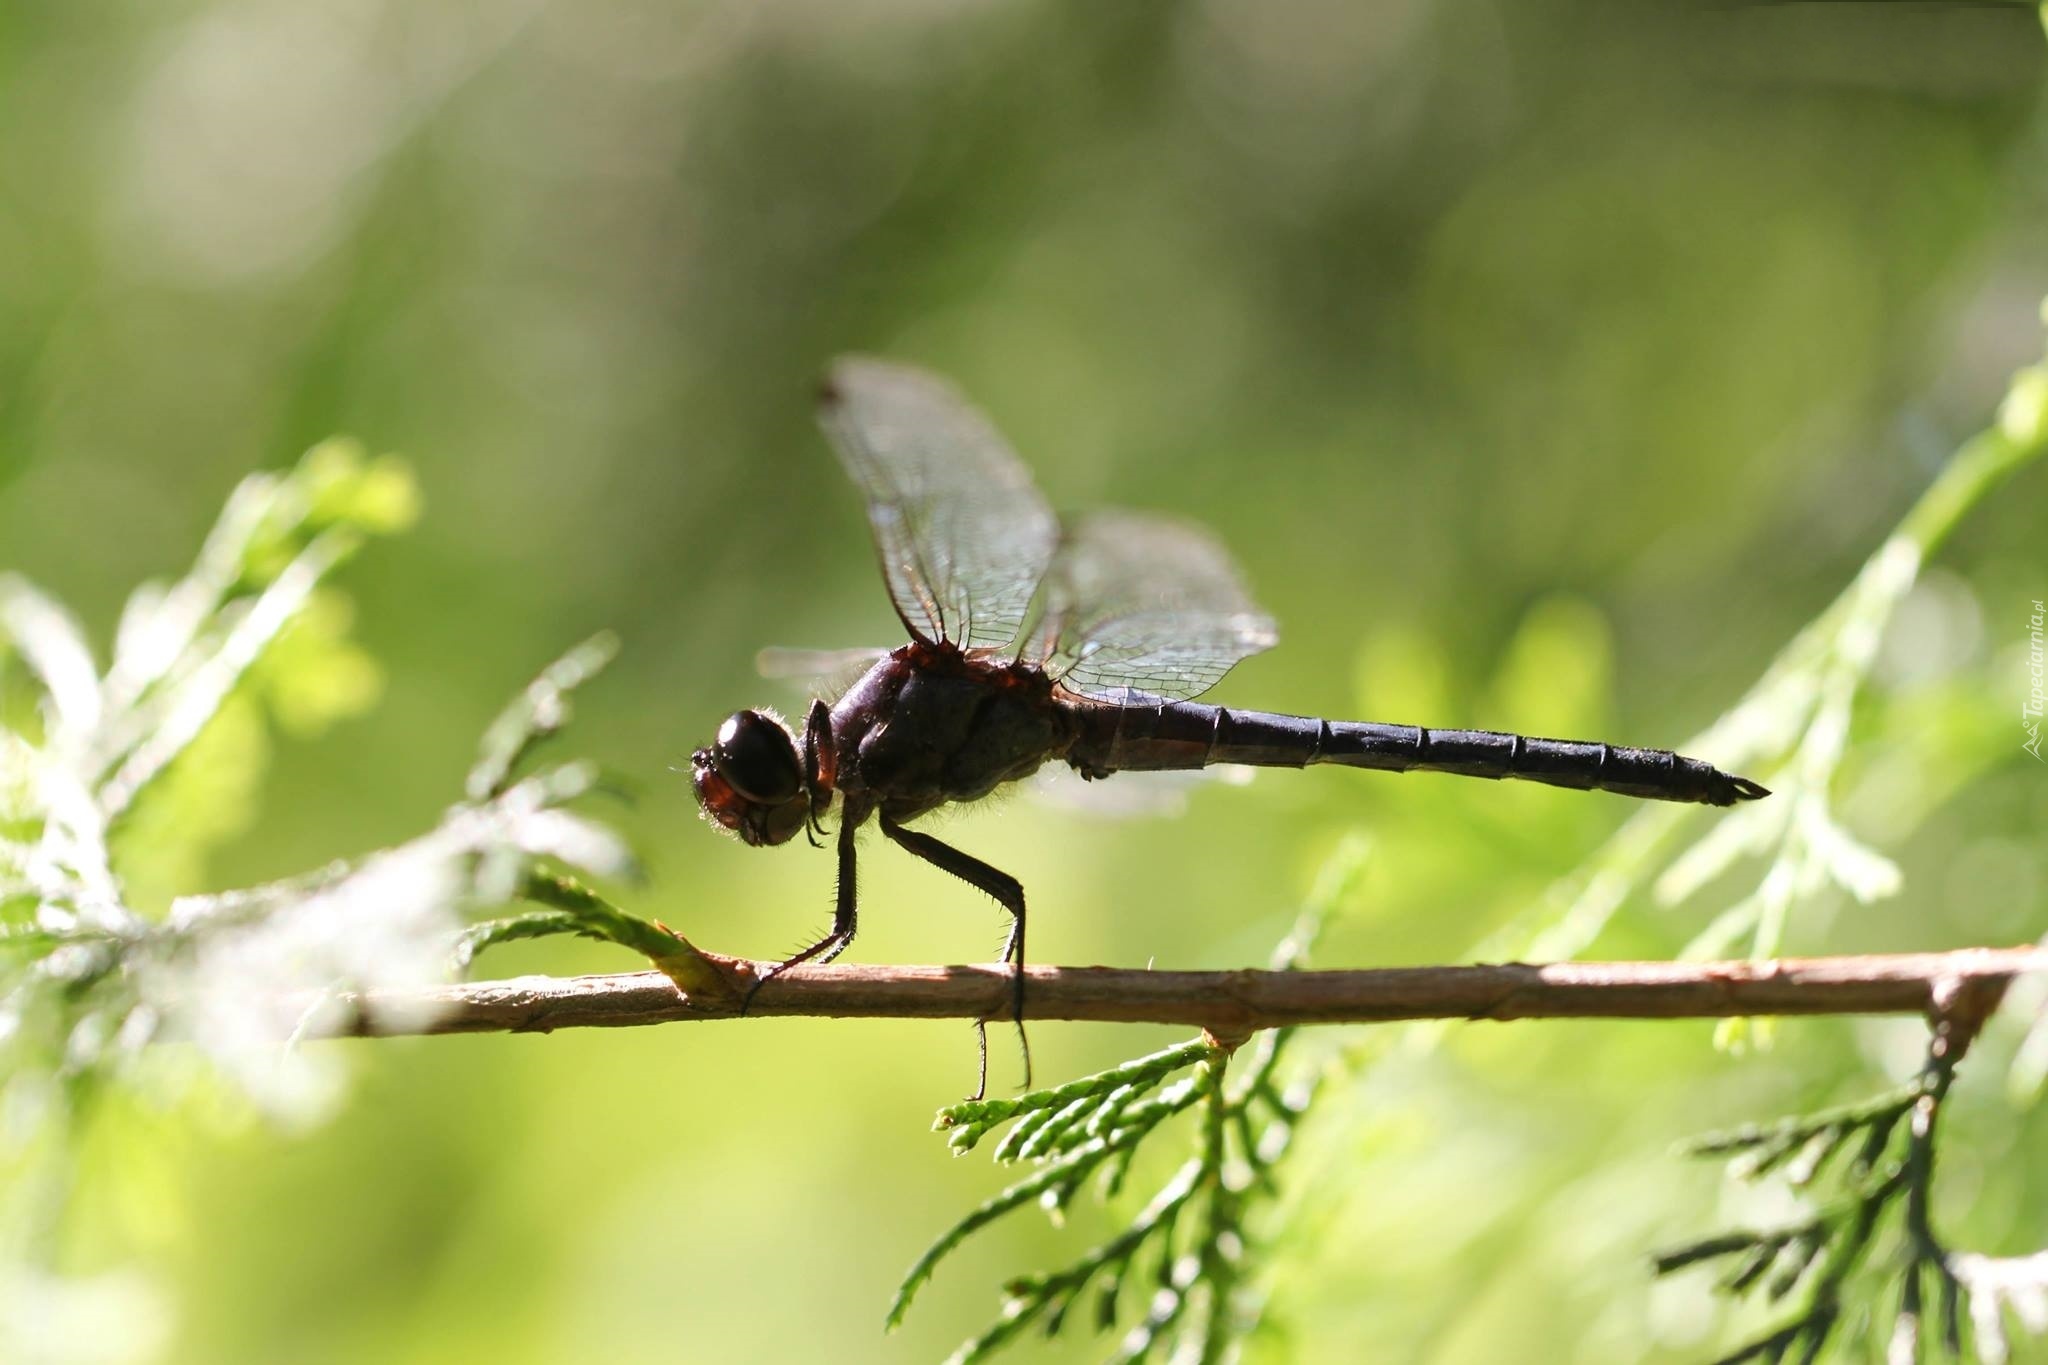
[(750, 779)]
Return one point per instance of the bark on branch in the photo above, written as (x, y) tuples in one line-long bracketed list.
[(1228, 1004)]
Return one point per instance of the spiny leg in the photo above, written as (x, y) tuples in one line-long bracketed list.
[(819, 768), (1008, 893), (844, 916)]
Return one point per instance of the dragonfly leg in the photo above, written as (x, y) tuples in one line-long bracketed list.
[(844, 918), (1008, 893), (819, 765)]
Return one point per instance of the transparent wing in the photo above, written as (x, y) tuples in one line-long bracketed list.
[(780, 663), (964, 536), (1130, 796), (1143, 607), (808, 673)]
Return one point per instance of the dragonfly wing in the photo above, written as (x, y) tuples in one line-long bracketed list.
[(1131, 795), (781, 663), (1143, 607), (823, 672), (963, 534)]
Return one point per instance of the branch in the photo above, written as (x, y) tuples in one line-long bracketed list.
[(1228, 1004)]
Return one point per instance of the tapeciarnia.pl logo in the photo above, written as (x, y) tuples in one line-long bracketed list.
[(2037, 667)]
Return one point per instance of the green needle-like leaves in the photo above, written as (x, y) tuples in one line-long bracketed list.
[(1880, 1196), (109, 777), (1177, 1262)]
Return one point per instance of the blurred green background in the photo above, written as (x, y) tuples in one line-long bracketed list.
[(1545, 365)]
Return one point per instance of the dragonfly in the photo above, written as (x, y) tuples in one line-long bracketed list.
[(1033, 642)]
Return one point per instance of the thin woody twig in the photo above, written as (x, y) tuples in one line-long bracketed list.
[(1230, 1003)]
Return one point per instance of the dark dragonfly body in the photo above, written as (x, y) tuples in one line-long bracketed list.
[(928, 726), (1030, 644), (1184, 734)]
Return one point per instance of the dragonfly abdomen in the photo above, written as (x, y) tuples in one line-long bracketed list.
[(1191, 735)]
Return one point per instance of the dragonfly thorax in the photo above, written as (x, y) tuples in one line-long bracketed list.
[(931, 724)]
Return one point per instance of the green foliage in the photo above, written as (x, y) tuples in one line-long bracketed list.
[(1885, 1186), (1175, 1269), (536, 714), (573, 908), (1791, 731), (1798, 716), (112, 779)]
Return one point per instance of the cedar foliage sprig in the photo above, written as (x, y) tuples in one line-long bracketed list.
[(114, 779), (1175, 1269), (1873, 1164)]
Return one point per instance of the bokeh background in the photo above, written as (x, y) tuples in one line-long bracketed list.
[(1545, 365)]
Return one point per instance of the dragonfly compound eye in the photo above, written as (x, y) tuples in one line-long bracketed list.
[(720, 802), (757, 758)]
